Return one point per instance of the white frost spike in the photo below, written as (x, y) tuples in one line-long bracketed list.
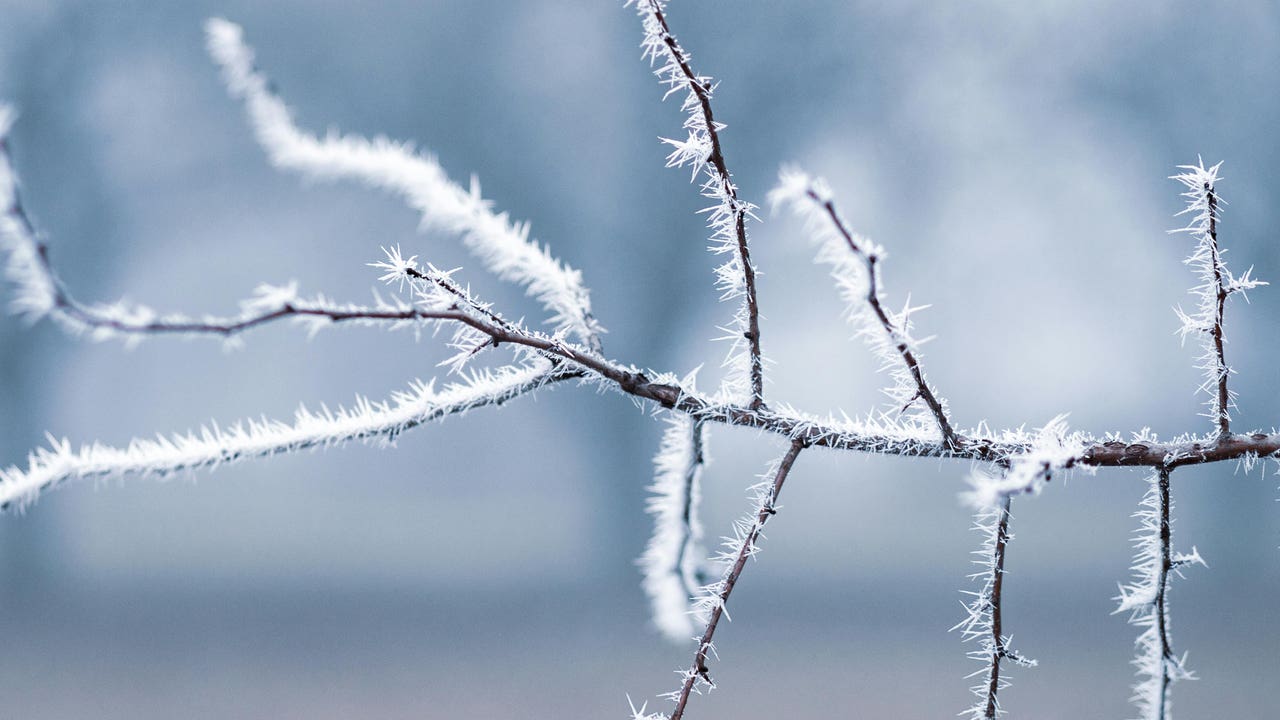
[(212, 447), (1216, 284), (1146, 599), (502, 245), (807, 196), (672, 561)]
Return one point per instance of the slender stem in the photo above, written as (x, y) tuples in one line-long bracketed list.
[(686, 516), (721, 171), (1224, 397), (1162, 589), (699, 671), (998, 649), (897, 334)]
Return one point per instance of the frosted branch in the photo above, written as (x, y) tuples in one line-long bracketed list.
[(737, 549), (1146, 599), (672, 561), (213, 446), (40, 293), (855, 266), (502, 245), (983, 621), (1216, 284), (701, 150)]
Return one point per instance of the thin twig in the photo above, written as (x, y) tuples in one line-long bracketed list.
[(1220, 292), (1162, 591), (701, 88), (698, 671), (896, 334)]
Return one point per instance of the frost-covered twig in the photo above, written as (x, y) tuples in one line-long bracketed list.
[(983, 621), (702, 151), (855, 265), (502, 245), (1146, 598), (1052, 448), (672, 560), (738, 549), (1216, 284), (39, 292), (212, 446)]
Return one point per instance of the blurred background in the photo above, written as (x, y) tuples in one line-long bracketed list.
[(1011, 156)]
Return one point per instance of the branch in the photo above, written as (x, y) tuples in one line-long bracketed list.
[(1216, 284), (503, 246), (740, 547), (1146, 598), (983, 621), (40, 292), (888, 333), (671, 562), (702, 150), (212, 447)]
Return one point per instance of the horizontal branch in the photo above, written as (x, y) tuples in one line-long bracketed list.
[(49, 467)]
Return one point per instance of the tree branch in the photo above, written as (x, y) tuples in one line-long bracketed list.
[(704, 151), (807, 195), (748, 532), (1146, 597)]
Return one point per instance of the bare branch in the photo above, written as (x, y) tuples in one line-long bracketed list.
[(703, 151), (503, 246), (40, 292), (740, 547), (1216, 284), (1146, 599), (984, 621), (891, 335), (672, 561), (212, 447)]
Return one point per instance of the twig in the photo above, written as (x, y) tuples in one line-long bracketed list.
[(704, 150), (1146, 597), (1216, 284), (698, 672), (807, 193), (672, 559)]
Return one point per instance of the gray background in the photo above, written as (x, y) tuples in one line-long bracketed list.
[(1011, 156)]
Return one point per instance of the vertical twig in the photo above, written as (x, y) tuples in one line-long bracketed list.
[(896, 334), (710, 157), (985, 622), (1147, 597)]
